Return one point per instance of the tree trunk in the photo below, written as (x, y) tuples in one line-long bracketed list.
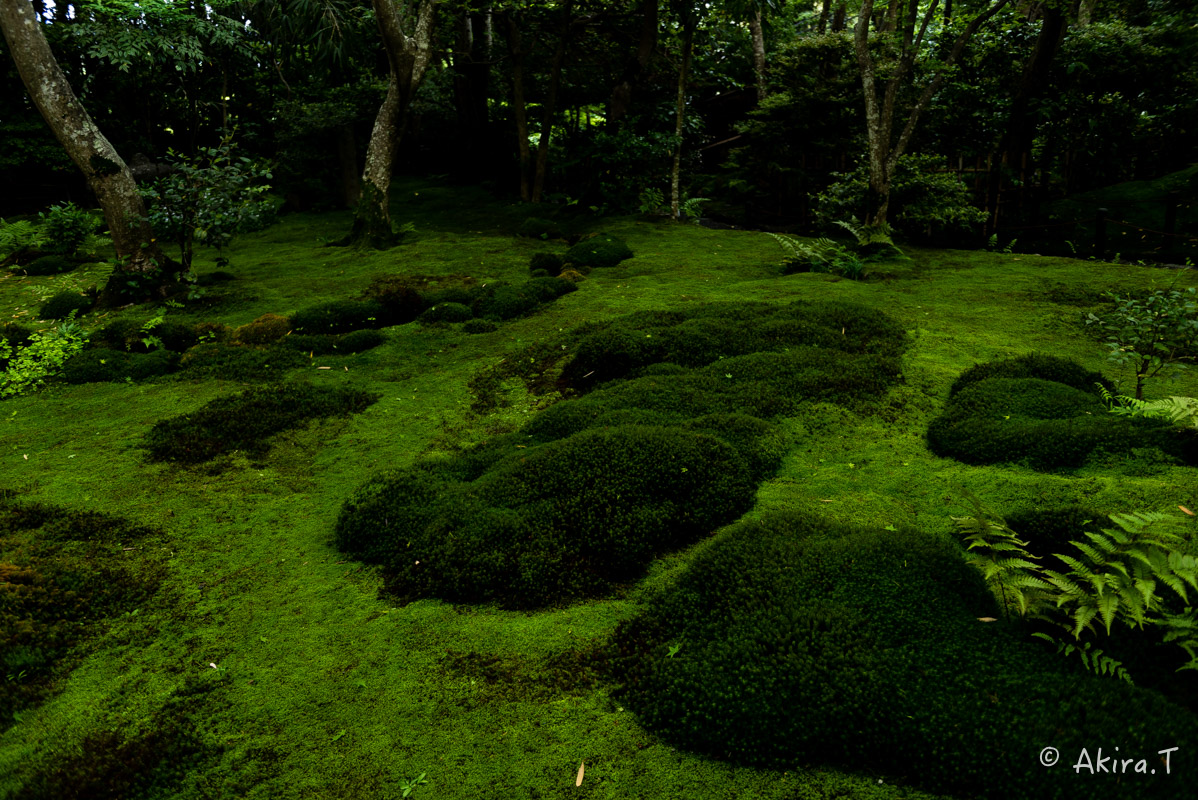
[(688, 41), (555, 80), (139, 259), (471, 73), (621, 96), (407, 57), (519, 108), (757, 33)]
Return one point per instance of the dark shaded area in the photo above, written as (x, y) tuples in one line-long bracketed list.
[(794, 642)]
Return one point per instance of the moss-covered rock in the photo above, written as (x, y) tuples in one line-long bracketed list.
[(446, 312), (360, 341), (549, 263), (504, 302), (793, 642), (539, 228), (245, 421), (600, 250)]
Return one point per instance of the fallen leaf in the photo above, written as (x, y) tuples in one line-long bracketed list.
[(581, 770), (1186, 510), (987, 619)]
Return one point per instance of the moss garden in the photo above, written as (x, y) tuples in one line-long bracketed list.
[(456, 519)]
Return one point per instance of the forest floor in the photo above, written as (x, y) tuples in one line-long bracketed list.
[(287, 671)]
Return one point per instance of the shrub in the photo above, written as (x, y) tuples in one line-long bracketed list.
[(1043, 424), (266, 329), (63, 304), (67, 227), (29, 366), (98, 365), (1151, 333), (244, 421), (600, 250), (792, 642), (47, 265), (233, 363), (359, 341), (446, 312), (546, 524), (537, 228), (340, 316), (549, 263)]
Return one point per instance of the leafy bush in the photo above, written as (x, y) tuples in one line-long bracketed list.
[(67, 228), (29, 366), (340, 316), (547, 524), (244, 421), (923, 198), (551, 263), (99, 364), (209, 199), (446, 312), (47, 265), (63, 304), (792, 642), (1151, 333), (600, 250)]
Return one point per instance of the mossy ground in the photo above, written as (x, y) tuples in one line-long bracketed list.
[(322, 689)]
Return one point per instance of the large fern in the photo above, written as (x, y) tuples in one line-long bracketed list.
[(1093, 658), (1117, 573)]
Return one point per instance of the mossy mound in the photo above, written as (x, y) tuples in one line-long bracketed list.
[(549, 263), (48, 265), (538, 228), (360, 341), (709, 333), (214, 360), (1044, 422), (793, 642), (504, 302), (340, 316), (132, 335), (264, 330), (99, 364), (446, 312), (545, 525), (59, 579), (62, 304), (245, 421), (479, 326), (583, 496), (600, 250), (1048, 368)]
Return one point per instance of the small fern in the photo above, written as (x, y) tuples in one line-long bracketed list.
[(1004, 561), (821, 255), (1179, 411), (1093, 658), (18, 236)]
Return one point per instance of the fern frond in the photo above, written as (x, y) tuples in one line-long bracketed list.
[(1093, 659)]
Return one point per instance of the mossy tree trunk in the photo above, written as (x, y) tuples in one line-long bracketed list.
[(140, 271), (519, 109), (407, 57)]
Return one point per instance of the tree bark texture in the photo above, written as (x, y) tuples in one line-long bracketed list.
[(757, 33), (515, 45), (621, 96), (138, 255), (407, 58), (688, 43), (550, 107), (901, 22)]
